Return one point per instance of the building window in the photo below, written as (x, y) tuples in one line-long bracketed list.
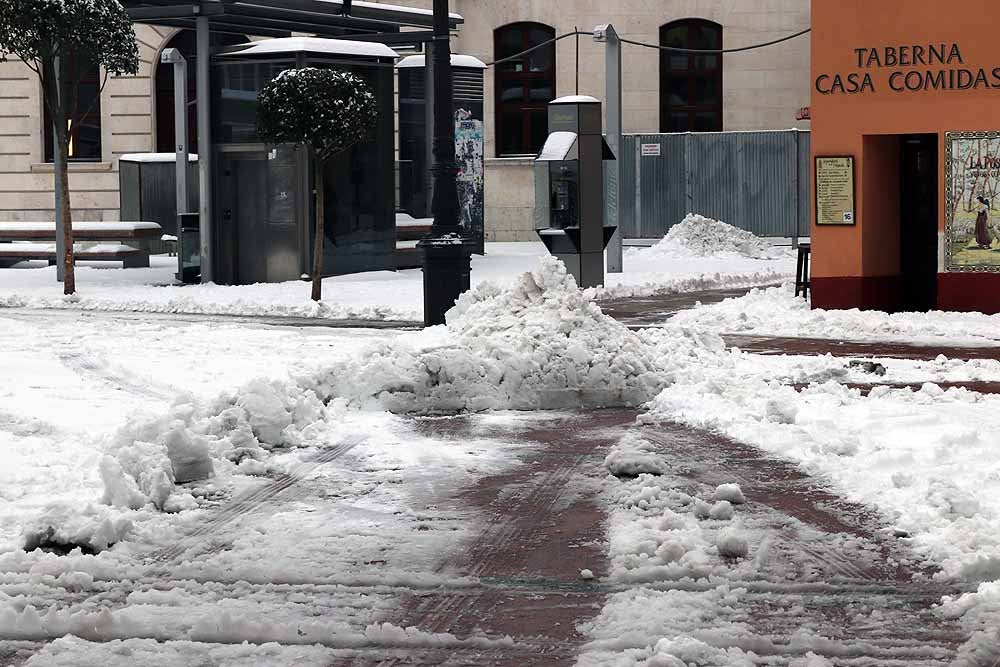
[(691, 83), (524, 87), (83, 117)]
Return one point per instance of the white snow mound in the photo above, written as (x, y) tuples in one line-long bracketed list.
[(731, 492), (540, 344), (699, 236)]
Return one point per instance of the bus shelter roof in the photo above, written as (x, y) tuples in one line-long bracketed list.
[(282, 18)]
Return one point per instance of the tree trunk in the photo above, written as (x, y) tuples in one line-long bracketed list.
[(318, 243), (60, 151), (69, 282)]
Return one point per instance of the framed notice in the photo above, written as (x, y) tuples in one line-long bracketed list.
[(835, 190), (972, 186)]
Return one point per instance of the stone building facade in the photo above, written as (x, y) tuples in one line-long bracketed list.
[(754, 90)]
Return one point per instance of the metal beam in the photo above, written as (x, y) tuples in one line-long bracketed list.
[(613, 128), (291, 16), (224, 27), (141, 14), (397, 38)]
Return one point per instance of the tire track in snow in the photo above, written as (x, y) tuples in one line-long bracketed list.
[(252, 501), (97, 368)]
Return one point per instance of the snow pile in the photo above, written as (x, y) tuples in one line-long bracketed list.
[(62, 528), (146, 458), (634, 456), (925, 458), (540, 344), (776, 312), (704, 237), (732, 543), (731, 493)]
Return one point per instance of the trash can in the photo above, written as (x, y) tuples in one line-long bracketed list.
[(188, 248)]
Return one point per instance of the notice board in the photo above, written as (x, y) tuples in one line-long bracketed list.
[(835, 190)]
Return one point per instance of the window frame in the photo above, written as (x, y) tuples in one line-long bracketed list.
[(92, 117), (525, 108), (694, 72)]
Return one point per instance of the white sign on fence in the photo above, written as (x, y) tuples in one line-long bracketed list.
[(650, 150)]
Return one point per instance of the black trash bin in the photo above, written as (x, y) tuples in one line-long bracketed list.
[(188, 248)]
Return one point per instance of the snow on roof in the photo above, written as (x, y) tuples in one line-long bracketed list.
[(456, 61), (155, 157), (575, 99), (314, 45), (557, 146)]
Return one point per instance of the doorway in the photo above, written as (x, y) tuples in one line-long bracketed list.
[(258, 225), (918, 209)]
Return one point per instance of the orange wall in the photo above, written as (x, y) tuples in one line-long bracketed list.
[(841, 121)]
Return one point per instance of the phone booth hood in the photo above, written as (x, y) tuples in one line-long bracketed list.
[(557, 184)]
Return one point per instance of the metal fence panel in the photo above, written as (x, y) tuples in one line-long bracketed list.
[(758, 181)]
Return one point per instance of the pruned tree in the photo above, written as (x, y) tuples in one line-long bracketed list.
[(60, 40), (329, 111)]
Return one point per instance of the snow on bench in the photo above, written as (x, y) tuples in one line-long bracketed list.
[(83, 231)]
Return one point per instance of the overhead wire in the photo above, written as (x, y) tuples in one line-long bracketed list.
[(678, 49), (538, 46), (674, 49)]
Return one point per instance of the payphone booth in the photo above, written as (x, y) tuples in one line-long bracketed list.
[(569, 188)]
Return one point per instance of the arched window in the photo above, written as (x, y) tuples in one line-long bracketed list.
[(83, 115), (691, 83), (524, 87)]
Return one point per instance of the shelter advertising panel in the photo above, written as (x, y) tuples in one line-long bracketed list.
[(835, 190), (972, 227)]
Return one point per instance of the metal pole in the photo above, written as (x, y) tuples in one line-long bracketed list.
[(174, 57), (204, 99), (637, 217), (445, 201), (180, 131), (613, 129), (428, 129), (446, 252), (58, 174)]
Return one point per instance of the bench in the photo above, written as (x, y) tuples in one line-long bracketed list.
[(21, 241), (408, 232)]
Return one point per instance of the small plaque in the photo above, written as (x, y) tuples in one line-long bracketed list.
[(835, 190), (650, 150)]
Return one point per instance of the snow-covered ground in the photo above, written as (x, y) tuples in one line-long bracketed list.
[(234, 482), (379, 295), (775, 312)]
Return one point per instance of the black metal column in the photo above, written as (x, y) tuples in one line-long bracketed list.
[(446, 252)]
